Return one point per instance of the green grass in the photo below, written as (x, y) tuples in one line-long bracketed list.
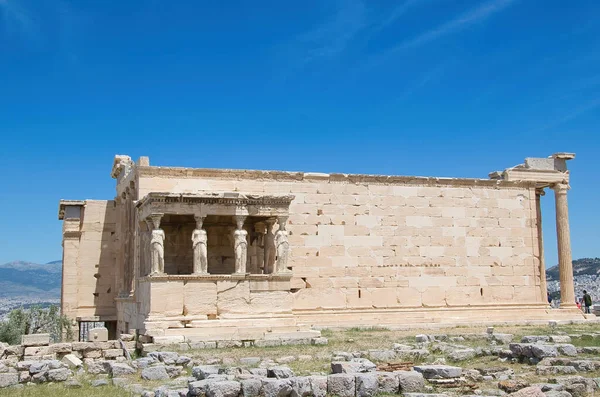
[(57, 390)]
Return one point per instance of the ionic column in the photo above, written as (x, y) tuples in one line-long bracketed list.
[(538, 209), (157, 245), (282, 246), (240, 245), (199, 240), (269, 248), (565, 264)]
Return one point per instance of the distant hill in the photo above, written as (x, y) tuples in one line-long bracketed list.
[(581, 267), (27, 279)]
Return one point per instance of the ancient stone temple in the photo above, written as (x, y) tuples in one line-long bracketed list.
[(205, 254)]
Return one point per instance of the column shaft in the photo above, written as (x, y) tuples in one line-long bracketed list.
[(543, 284), (565, 264)]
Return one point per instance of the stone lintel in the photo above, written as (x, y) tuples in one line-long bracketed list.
[(96, 319), (542, 178), (563, 156)]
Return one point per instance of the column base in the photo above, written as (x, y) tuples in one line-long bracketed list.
[(568, 306)]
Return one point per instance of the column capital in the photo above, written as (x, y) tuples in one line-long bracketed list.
[(540, 191), (282, 220), (560, 188), (155, 219), (199, 221), (239, 221)]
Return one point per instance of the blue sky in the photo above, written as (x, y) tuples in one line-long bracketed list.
[(417, 87)]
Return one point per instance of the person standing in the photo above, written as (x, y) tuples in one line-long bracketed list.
[(587, 302)]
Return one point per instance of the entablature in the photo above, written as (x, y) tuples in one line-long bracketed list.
[(225, 204)]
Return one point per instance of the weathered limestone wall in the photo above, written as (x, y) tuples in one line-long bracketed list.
[(88, 262), (362, 244)]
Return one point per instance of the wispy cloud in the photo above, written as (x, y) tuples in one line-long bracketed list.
[(333, 36), (476, 15), (16, 19), (586, 107), (471, 17)]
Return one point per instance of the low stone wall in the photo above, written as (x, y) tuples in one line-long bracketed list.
[(38, 347)]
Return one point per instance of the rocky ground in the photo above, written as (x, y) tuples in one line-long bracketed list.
[(559, 361)]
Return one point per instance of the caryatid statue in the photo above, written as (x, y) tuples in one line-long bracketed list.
[(157, 245), (199, 241), (240, 245), (269, 247), (282, 246)]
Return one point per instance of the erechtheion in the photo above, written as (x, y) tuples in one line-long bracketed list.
[(207, 254)]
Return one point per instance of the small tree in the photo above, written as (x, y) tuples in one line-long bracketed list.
[(35, 320)]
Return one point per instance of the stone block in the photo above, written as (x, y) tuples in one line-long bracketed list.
[(199, 388), (98, 335), (9, 379), (155, 373), (388, 383), (112, 353), (251, 387), (35, 340), (36, 351), (410, 381), (276, 387), (120, 369), (318, 385), (59, 375), (62, 348), (341, 385), (366, 384), (301, 387)]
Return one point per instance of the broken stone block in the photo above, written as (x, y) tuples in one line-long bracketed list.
[(542, 351), (512, 385), (567, 350), (535, 338), (301, 387), (72, 361), (528, 392), (279, 372), (357, 365), (438, 371), (203, 371)]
